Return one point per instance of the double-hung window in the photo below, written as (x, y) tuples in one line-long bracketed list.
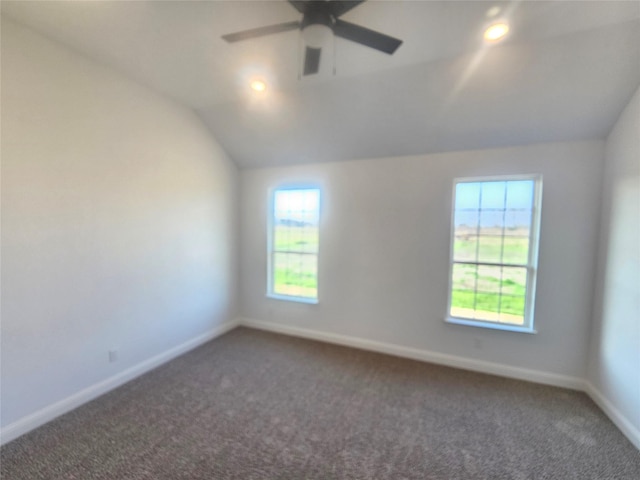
[(293, 244), (494, 252)]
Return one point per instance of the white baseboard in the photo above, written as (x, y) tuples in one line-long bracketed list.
[(48, 413), (39, 418), (536, 376), (574, 383), (620, 421)]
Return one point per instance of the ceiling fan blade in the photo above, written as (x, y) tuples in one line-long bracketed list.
[(259, 32), (340, 7), (364, 36), (300, 5), (311, 61)]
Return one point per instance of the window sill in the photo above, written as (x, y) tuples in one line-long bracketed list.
[(490, 325), (288, 298)]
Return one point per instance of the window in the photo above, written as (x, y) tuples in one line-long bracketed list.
[(293, 244), (494, 250)]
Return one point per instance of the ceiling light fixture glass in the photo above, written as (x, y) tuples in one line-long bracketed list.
[(496, 32), (316, 35)]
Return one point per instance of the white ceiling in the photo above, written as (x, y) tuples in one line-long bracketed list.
[(565, 72)]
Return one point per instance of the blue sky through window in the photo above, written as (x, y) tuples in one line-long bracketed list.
[(486, 202), (297, 204)]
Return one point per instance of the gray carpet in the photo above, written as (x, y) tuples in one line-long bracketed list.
[(254, 405)]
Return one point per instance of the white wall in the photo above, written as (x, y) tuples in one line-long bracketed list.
[(118, 224), (384, 252), (614, 368)]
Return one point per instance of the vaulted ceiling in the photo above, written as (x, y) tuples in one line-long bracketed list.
[(564, 73)]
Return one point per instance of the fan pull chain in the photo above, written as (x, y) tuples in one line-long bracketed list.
[(334, 54), (299, 62)]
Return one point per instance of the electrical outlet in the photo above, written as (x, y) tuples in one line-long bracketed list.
[(113, 355)]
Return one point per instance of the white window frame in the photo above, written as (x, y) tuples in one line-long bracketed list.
[(532, 261), (270, 244)]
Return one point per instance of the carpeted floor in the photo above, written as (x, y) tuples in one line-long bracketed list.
[(254, 405)]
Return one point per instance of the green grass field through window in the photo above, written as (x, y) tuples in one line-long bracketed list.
[(488, 292), (493, 293), (295, 260)]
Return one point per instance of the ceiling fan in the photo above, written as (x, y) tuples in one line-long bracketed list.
[(320, 21)]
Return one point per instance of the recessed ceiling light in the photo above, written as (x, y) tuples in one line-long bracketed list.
[(496, 32), (258, 86)]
